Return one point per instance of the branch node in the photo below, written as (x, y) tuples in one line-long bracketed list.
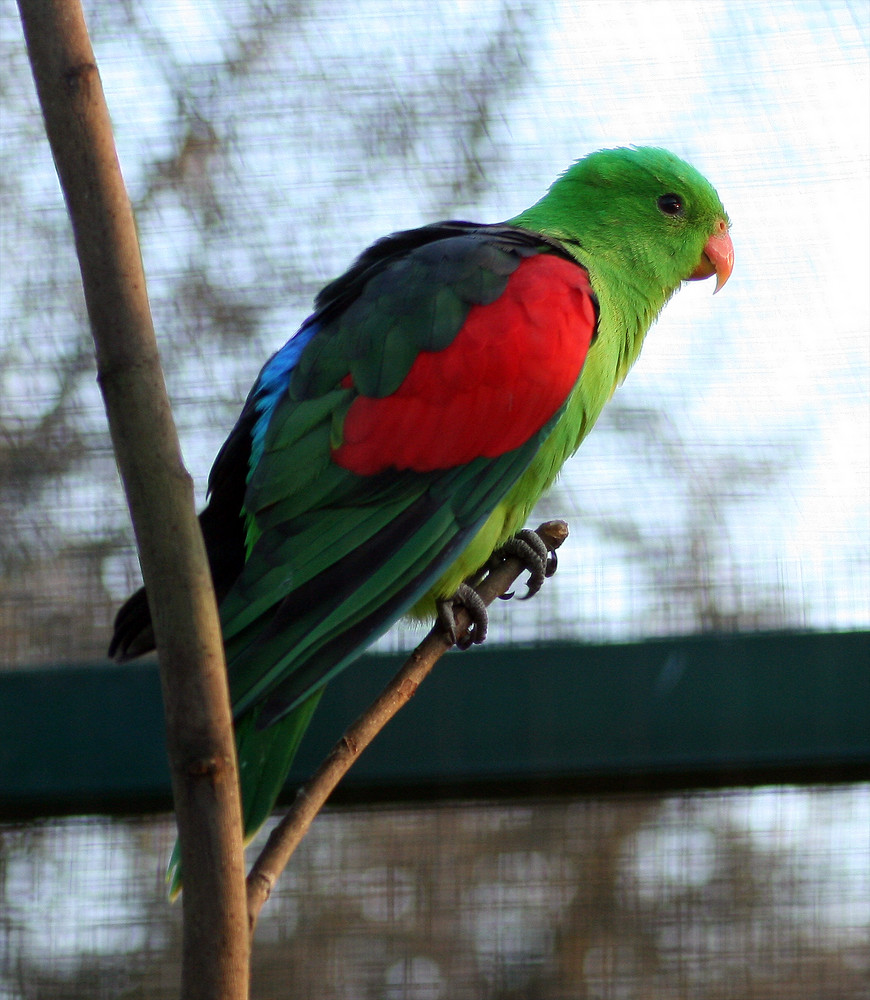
[(77, 78), (408, 687), (208, 767), (262, 884)]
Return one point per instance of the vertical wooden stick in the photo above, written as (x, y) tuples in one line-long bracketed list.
[(160, 495)]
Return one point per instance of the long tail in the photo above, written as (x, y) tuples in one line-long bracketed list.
[(265, 757)]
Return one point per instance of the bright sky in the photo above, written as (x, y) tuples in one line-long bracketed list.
[(772, 102)]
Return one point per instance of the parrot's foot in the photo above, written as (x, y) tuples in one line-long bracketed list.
[(541, 562), (465, 597)]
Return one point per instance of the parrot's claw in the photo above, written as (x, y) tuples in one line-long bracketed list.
[(465, 597), (541, 562)]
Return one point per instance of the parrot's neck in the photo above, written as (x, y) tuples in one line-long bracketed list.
[(628, 308)]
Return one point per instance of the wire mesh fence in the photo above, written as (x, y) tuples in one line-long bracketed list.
[(761, 894), (264, 145)]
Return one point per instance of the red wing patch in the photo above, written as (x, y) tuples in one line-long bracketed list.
[(508, 370)]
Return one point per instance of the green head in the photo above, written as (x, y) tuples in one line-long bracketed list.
[(640, 216)]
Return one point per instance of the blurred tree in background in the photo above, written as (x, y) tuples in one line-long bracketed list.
[(241, 189), (683, 897), (264, 146)]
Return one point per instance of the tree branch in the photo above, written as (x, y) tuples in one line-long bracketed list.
[(160, 495), (311, 797)]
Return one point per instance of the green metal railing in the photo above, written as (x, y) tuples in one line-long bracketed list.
[(675, 713)]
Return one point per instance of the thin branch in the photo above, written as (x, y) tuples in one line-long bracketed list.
[(160, 495), (287, 835)]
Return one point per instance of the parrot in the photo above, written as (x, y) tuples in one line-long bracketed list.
[(401, 437)]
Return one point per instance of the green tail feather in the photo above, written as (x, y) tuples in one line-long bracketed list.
[(265, 756)]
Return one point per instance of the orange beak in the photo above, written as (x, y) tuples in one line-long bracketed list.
[(717, 258)]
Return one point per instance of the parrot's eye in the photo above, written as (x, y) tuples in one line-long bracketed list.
[(671, 204)]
